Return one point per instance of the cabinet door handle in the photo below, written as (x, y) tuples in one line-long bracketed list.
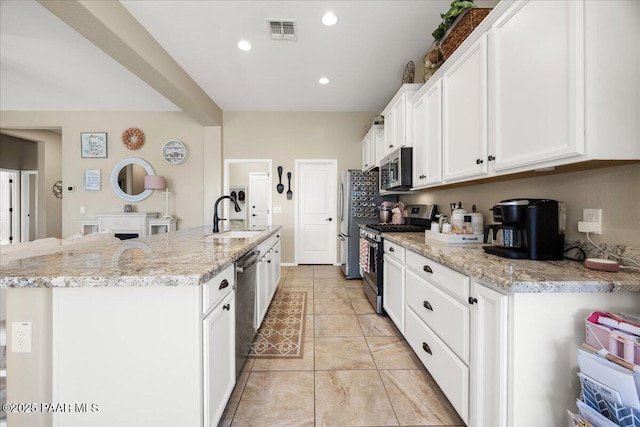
[(479, 161), (422, 176), (473, 300), (269, 261), (490, 158), (427, 269), (227, 307), (223, 284), (391, 249), (427, 305), (366, 165), (391, 146), (426, 348)]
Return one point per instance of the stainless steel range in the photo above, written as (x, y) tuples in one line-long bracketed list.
[(419, 218)]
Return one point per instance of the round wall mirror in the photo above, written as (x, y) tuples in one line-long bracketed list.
[(127, 179)]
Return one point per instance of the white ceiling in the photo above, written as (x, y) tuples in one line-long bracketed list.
[(48, 66)]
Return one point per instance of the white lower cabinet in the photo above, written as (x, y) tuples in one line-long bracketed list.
[(489, 357), (393, 290), (219, 358), (451, 374), (268, 275)]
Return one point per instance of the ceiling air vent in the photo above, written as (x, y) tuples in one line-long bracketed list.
[(282, 29)]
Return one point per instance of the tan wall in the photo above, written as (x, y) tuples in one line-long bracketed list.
[(614, 189), (194, 184), (287, 136)]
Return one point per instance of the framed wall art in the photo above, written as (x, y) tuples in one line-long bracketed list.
[(93, 144), (92, 179)]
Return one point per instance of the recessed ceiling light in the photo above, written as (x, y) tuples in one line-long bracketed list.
[(323, 80), (244, 45), (329, 19)]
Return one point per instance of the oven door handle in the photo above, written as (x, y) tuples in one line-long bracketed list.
[(371, 244)]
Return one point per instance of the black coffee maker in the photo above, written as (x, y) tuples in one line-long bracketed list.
[(527, 229)]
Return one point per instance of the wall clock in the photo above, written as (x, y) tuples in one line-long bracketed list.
[(174, 152), (57, 189)]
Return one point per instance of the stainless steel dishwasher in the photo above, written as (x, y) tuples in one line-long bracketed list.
[(245, 306)]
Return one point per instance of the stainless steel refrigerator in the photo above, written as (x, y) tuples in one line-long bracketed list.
[(358, 200)]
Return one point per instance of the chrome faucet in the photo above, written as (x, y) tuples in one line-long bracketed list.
[(216, 218)]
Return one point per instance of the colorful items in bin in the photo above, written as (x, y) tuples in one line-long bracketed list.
[(618, 334)]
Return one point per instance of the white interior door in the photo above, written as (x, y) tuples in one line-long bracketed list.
[(9, 208), (316, 209), (29, 199), (259, 192)]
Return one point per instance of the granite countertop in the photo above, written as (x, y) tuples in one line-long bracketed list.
[(188, 257), (518, 276)]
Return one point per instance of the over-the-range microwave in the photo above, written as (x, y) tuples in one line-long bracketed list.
[(396, 170)]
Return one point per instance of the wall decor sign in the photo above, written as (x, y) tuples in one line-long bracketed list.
[(93, 144), (174, 152), (92, 179)]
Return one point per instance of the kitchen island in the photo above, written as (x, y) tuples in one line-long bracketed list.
[(500, 335), (118, 329)]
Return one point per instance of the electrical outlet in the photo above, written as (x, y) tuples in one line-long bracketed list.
[(591, 221), (21, 337)]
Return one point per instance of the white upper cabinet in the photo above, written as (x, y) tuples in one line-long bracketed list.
[(369, 148), (427, 136), (536, 76), (464, 114), (398, 119)]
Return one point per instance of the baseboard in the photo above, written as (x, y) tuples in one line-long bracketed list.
[(288, 264)]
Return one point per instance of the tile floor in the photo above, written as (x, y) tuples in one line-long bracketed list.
[(357, 370)]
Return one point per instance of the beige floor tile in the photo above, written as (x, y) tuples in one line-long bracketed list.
[(247, 365), (417, 399), (328, 293), (356, 293), (337, 325), (337, 353), (327, 283), (393, 353), (277, 399), (232, 404), (352, 398), (353, 284), (362, 306), (374, 325), (332, 306), (298, 283)]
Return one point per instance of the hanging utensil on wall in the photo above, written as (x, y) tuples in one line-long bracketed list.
[(280, 187), (289, 192)]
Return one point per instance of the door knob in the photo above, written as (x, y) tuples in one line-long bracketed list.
[(329, 219)]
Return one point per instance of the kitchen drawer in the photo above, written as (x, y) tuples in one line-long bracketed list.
[(450, 281), (451, 374), (217, 288), (446, 316), (394, 250)]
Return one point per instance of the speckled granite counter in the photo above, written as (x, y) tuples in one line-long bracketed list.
[(519, 275), (184, 258)]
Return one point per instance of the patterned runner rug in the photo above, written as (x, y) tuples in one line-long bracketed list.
[(282, 332)]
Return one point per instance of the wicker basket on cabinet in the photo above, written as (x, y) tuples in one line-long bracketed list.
[(464, 25)]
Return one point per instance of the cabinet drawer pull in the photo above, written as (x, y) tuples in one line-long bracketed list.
[(426, 348), (427, 269), (391, 146), (422, 176), (223, 284), (269, 261), (427, 305), (473, 300), (391, 249), (227, 307), (479, 161), (491, 158)]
